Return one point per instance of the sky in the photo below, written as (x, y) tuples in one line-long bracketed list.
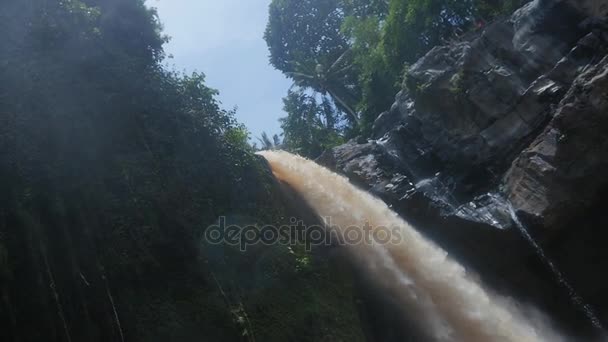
[(224, 40)]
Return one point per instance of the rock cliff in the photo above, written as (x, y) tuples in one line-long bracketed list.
[(508, 119)]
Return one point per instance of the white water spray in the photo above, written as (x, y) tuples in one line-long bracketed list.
[(446, 303)]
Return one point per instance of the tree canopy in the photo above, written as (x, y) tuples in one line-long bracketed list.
[(110, 167)]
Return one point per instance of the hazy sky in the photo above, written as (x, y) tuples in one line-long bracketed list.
[(224, 40)]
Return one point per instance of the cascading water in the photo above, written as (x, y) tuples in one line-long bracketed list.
[(445, 302), (576, 299)]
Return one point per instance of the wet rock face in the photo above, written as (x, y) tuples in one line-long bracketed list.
[(477, 101), (563, 171), (469, 109), (511, 117)]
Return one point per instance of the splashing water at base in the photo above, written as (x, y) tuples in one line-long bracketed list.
[(445, 302)]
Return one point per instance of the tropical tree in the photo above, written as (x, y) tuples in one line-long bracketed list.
[(365, 8), (267, 143), (332, 80), (304, 30), (311, 125), (276, 141), (306, 43)]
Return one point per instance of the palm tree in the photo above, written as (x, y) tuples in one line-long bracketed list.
[(328, 80), (267, 143), (276, 141)]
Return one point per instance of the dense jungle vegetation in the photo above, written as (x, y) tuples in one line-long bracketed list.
[(111, 168)]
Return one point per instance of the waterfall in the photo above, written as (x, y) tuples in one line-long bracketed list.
[(445, 302), (576, 299)]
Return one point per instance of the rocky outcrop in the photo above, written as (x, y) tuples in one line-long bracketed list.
[(510, 120), (468, 109), (563, 172)]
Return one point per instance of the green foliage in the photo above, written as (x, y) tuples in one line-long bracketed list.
[(365, 8), (376, 79), (199, 101), (413, 27), (111, 168), (304, 31), (310, 127), (306, 43), (332, 80), (490, 9), (238, 137)]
